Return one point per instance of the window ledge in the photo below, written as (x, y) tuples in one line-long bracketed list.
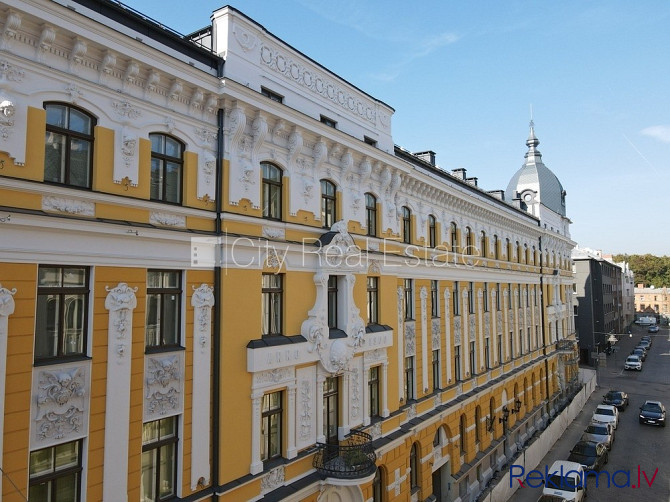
[(163, 348), (61, 360)]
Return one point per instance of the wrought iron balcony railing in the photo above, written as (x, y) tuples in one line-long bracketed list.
[(353, 458), (566, 345)]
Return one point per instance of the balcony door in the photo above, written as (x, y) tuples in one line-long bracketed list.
[(331, 411)]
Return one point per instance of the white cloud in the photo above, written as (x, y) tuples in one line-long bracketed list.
[(659, 132)]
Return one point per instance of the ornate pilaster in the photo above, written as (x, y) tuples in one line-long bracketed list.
[(202, 302), (447, 333), (291, 450), (256, 462), (120, 302), (401, 345), (6, 309)]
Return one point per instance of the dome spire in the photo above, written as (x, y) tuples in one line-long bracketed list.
[(533, 154)]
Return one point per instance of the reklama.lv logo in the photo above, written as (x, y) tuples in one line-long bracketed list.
[(560, 480)]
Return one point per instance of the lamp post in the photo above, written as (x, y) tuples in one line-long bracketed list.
[(503, 420)]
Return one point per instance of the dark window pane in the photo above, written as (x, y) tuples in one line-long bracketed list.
[(80, 122), (54, 157), (56, 116)]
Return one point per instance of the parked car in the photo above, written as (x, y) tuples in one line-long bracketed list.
[(648, 339), (644, 344), (652, 329), (652, 412), (639, 352), (633, 363), (567, 480), (599, 433), (616, 398), (607, 414), (591, 455)]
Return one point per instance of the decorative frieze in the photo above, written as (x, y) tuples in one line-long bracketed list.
[(69, 206), (435, 334), (273, 376), (167, 219), (305, 412), (274, 233)]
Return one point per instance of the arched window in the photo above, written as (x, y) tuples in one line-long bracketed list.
[(478, 425), (432, 227), (534, 257), (68, 148), (496, 247), (272, 191), (454, 238), (483, 245), (371, 214), (492, 411), (518, 252), (328, 203), (406, 225), (469, 241), (379, 485), (509, 250), (462, 429), (167, 164), (526, 254), (414, 467)]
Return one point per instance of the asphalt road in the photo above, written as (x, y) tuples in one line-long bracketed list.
[(635, 445)]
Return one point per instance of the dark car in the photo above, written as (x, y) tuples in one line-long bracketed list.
[(616, 398), (647, 339), (652, 329), (652, 412), (640, 352), (593, 456)]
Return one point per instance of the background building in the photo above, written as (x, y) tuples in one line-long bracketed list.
[(220, 277), (598, 291), (651, 300)]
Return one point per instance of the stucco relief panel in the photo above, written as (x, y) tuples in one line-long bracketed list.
[(163, 385), (60, 404)]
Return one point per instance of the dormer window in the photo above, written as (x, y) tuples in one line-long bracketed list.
[(329, 122), (272, 95), (368, 141)]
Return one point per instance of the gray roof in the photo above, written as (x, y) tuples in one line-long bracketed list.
[(534, 175)]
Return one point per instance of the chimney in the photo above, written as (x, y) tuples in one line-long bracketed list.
[(459, 173), (471, 181), (498, 194), (427, 156)]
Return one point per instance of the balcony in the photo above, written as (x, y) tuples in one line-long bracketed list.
[(566, 345), (354, 458)]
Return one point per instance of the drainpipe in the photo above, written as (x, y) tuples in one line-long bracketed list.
[(216, 339), (544, 339)]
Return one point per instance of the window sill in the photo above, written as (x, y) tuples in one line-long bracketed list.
[(61, 360), (163, 348)]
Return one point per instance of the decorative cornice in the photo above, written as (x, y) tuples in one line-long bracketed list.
[(7, 301)]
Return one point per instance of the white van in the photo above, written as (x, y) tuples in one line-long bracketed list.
[(566, 479)]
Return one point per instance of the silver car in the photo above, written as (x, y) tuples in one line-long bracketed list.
[(600, 433)]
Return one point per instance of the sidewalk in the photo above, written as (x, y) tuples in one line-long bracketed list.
[(561, 448)]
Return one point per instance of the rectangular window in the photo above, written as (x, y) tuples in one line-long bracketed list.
[(271, 426), (163, 308), (456, 300), (159, 460), (485, 298), (369, 141), (509, 297), (332, 301), (409, 299), (436, 369), (487, 353), (62, 312), (55, 473), (409, 378), (434, 299), (373, 391), (498, 299), (457, 362), (520, 341), (328, 122), (500, 349), (473, 359), (528, 336), (272, 304), (373, 300), (471, 298), (272, 95), (511, 345)]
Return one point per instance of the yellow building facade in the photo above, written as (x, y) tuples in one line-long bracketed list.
[(221, 279)]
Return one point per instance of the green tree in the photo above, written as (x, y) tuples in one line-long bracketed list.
[(649, 270)]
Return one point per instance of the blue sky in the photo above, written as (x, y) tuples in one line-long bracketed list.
[(462, 75)]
